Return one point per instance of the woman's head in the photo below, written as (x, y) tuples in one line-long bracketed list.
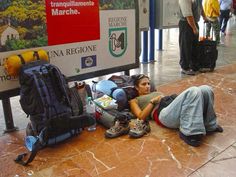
[(142, 84)]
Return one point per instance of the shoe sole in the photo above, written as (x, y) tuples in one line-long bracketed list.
[(190, 74), (117, 135), (133, 135)]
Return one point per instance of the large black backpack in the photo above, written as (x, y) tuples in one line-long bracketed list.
[(45, 98)]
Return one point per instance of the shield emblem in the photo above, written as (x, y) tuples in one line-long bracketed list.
[(117, 41)]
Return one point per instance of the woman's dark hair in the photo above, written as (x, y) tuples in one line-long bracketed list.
[(137, 78)]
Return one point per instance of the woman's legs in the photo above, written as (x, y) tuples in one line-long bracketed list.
[(209, 114), (186, 112)]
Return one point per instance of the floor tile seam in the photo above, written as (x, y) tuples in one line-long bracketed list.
[(212, 158)]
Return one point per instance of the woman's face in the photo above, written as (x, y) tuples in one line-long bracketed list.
[(143, 86)]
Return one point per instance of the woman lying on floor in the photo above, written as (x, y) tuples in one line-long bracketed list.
[(191, 112)]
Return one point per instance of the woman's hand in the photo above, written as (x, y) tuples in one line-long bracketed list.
[(156, 99), (143, 114)]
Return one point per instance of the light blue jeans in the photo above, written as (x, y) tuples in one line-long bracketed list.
[(192, 111)]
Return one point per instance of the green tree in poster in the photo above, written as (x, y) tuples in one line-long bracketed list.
[(14, 44), (28, 17), (117, 4)]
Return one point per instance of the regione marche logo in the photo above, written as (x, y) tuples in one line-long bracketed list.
[(89, 61), (117, 41)]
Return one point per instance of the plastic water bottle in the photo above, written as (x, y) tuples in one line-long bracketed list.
[(90, 109), (82, 93)]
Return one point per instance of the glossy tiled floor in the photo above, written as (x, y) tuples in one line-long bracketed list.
[(159, 154)]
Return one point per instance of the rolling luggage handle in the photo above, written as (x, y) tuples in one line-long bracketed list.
[(204, 32)]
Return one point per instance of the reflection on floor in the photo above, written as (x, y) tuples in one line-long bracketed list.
[(159, 154)]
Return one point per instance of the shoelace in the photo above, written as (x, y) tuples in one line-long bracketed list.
[(138, 125), (115, 127)]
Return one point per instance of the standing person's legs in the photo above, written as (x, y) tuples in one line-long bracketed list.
[(226, 18), (195, 65), (221, 18), (185, 44), (185, 113), (208, 29), (225, 22), (216, 29)]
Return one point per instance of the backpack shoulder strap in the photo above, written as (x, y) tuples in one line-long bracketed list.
[(36, 147), (59, 83), (88, 90), (76, 100)]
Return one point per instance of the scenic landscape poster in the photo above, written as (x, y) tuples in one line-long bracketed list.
[(26, 24)]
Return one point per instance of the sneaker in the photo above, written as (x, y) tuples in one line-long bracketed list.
[(223, 33), (221, 44), (218, 129), (140, 128), (193, 140), (188, 72), (117, 130)]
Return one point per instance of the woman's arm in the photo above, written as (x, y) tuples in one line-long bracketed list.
[(143, 114)]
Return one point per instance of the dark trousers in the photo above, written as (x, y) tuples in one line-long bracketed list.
[(188, 43), (224, 17)]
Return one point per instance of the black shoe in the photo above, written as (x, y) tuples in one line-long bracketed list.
[(218, 129), (188, 72), (193, 140)]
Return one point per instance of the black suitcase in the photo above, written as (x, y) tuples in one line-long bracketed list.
[(207, 52)]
